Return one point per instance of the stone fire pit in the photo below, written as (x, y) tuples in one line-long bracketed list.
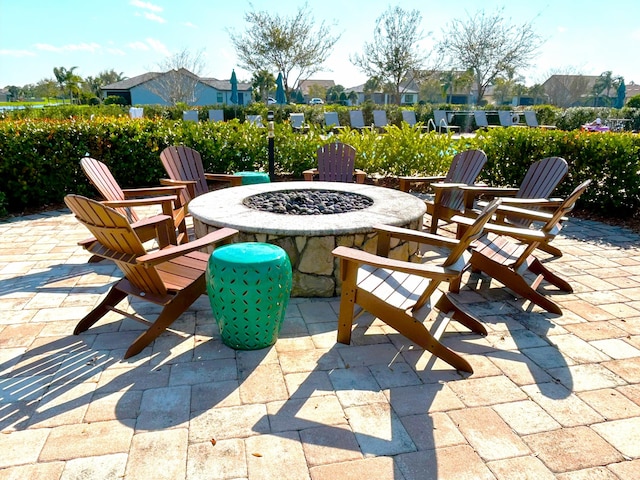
[(309, 238)]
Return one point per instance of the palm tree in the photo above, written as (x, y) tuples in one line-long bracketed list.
[(67, 80), (263, 81)]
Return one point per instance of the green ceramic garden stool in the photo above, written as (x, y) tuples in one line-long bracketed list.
[(249, 286), (251, 178)]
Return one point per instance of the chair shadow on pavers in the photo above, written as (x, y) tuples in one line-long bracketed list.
[(182, 376), (381, 396)]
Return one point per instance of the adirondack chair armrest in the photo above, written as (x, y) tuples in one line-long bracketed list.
[(222, 235), (152, 191), (190, 184), (471, 192), (166, 201), (407, 181), (523, 234), (386, 232), (534, 215), (234, 180), (349, 254)]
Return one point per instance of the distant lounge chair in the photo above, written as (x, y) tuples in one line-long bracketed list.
[(380, 120), (532, 121), (508, 119), (297, 122), (255, 120), (480, 117), (409, 117), (332, 121), (190, 115), (442, 124), (357, 119), (216, 115)]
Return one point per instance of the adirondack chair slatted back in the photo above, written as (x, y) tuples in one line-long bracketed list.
[(542, 178), (101, 177), (540, 181), (552, 226), (459, 255), (336, 162), (465, 168), (114, 233), (184, 163)]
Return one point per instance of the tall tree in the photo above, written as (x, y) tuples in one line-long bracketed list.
[(489, 46), (263, 81), (285, 44), (394, 54), (67, 80), (180, 78), (604, 84)]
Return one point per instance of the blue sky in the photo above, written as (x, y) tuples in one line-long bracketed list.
[(133, 36)]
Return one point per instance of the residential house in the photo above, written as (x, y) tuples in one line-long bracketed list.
[(5, 96), (156, 88), (408, 96), (307, 87)]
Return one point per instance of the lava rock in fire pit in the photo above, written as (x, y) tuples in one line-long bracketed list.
[(308, 202)]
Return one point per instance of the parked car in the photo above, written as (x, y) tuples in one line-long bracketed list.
[(316, 101), (271, 101)]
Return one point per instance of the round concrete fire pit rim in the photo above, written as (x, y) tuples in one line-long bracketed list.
[(225, 208)]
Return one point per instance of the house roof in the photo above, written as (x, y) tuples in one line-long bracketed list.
[(304, 85), (132, 82)]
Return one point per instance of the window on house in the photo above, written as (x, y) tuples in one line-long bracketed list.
[(220, 98), (408, 98)]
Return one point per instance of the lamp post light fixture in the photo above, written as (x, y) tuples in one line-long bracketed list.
[(271, 136)]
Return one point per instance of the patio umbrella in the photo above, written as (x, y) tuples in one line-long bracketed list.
[(281, 97), (234, 87), (622, 92)]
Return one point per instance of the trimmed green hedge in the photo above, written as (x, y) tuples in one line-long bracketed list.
[(39, 159)]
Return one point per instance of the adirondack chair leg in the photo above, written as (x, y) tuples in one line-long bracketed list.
[(347, 301), (114, 297), (445, 304), (169, 314), (539, 269), (515, 282)]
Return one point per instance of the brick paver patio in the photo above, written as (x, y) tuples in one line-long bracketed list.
[(551, 396)]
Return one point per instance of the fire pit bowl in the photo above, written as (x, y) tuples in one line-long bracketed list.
[(309, 238)]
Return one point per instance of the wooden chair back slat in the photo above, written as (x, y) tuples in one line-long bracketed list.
[(114, 232), (184, 163), (101, 177), (465, 168), (336, 162), (542, 178)]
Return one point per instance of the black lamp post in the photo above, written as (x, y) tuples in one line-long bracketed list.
[(271, 135)]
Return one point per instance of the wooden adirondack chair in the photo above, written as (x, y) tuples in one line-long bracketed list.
[(336, 164), (449, 199), (541, 179), (168, 197), (404, 294), (512, 262), (172, 277), (184, 167)]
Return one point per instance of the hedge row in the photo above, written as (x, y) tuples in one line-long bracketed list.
[(39, 159)]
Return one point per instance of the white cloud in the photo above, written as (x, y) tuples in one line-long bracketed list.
[(190, 25), (116, 51), (158, 46), (154, 18), (138, 46), (562, 29), (78, 47), (146, 5), (17, 53)]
